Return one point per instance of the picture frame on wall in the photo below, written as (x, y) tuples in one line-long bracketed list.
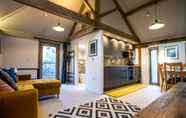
[(92, 48), (172, 52)]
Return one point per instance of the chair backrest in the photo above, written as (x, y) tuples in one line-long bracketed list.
[(184, 70), (174, 70), (184, 66), (161, 72)]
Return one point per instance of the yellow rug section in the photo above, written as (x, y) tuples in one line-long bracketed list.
[(122, 91)]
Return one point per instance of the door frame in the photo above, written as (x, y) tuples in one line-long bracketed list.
[(153, 48), (53, 44), (71, 54)]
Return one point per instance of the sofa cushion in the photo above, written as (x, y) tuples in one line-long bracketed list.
[(8, 79), (44, 84), (4, 87), (11, 72), (25, 82), (41, 84), (23, 87)]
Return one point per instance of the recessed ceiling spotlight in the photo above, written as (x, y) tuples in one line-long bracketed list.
[(45, 14), (148, 13), (81, 46), (113, 40)]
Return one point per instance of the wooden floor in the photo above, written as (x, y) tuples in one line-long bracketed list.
[(170, 105)]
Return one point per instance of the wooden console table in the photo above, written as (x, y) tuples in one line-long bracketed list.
[(171, 105)]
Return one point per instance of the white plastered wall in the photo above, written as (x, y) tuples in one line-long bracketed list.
[(145, 58), (20, 53), (94, 65), (145, 67)]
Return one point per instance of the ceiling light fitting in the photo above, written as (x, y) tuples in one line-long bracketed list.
[(156, 25), (58, 27), (156, 22)]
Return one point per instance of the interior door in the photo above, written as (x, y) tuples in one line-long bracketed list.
[(49, 61), (154, 66)]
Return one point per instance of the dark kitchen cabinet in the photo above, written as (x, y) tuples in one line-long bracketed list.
[(119, 76)]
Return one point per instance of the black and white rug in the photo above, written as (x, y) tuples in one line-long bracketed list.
[(106, 107)]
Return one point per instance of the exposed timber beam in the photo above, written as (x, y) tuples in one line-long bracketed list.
[(18, 10), (168, 40), (75, 23), (107, 12), (143, 7), (97, 10), (82, 32), (72, 30), (57, 10), (86, 2), (126, 20)]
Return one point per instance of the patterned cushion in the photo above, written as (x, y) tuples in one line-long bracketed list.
[(7, 78), (4, 87), (11, 72)]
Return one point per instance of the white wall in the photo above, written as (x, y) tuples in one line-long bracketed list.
[(145, 62), (74, 47), (1, 60), (61, 54), (145, 67), (20, 53), (181, 54), (94, 65), (1, 55)]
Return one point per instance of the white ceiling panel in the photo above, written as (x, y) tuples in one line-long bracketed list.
[(73, 5), (8, 6), (35, 21), (171, 12), (115, 20), (106, 5), (128, 5)]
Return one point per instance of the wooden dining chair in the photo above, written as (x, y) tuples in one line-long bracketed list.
[(174, 72), (167, 74), (184, 72), (164, 82), (161, 75)]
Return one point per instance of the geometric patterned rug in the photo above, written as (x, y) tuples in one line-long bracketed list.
[(106, 107)]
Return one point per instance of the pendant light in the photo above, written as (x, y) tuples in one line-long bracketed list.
[(156, 22), (58, 27)]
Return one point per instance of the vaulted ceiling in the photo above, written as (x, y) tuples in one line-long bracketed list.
[(18, 19)]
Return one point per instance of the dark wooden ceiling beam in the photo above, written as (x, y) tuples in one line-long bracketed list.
[(126, 20), (97, 10), (107, 12), (75, 23), (81, 33), (168, 40), (142, 7), (72, 30), (52, 8), (86, 2)]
